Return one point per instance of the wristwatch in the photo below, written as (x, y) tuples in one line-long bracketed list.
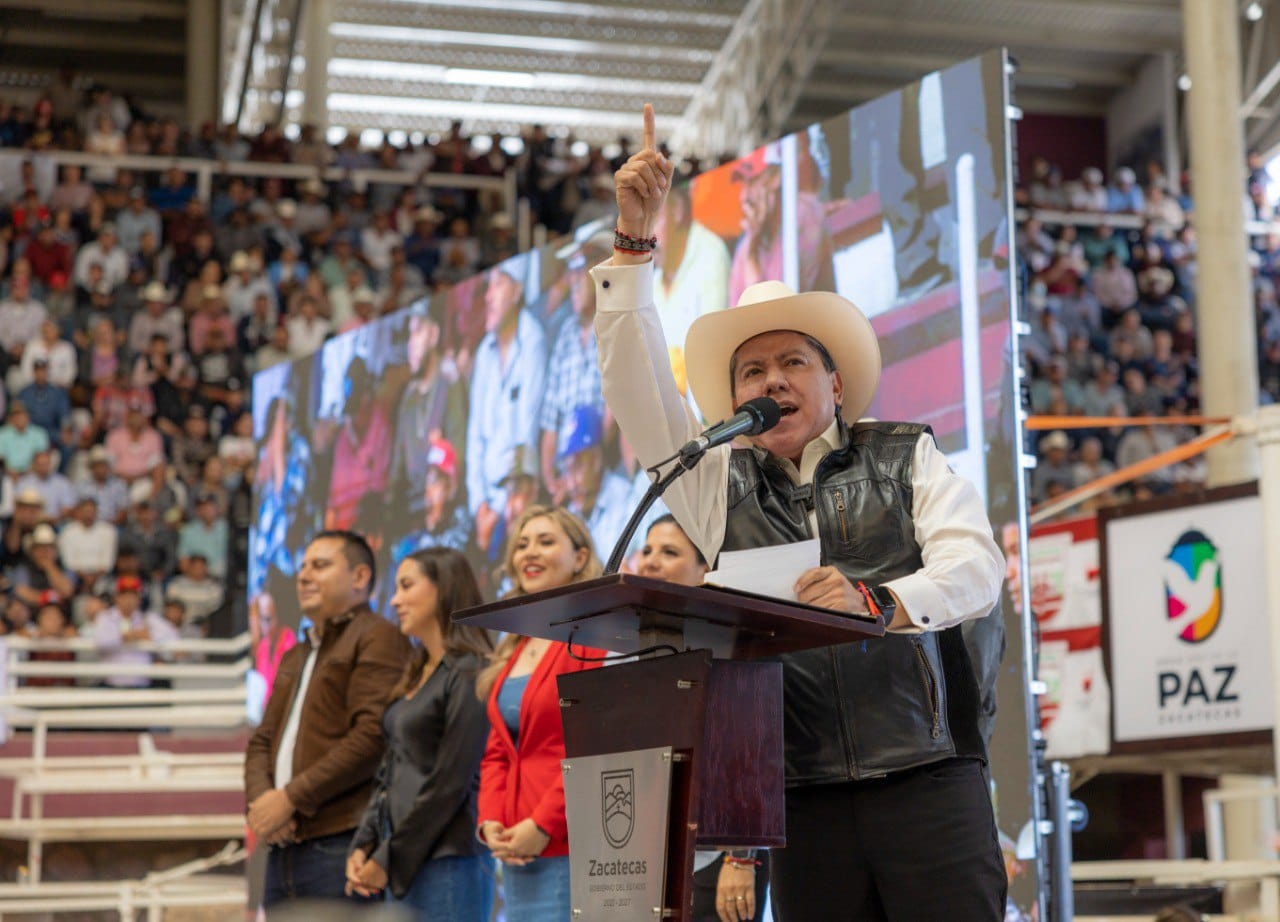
[(742, 854), (880, 601)]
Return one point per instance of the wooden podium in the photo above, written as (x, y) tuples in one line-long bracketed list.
[(696, 686)]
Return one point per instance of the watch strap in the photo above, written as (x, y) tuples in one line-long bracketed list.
[(879, 601)]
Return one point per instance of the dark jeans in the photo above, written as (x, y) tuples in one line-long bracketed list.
[(315, 869), (704, 889), (917, 846), (455, 889)]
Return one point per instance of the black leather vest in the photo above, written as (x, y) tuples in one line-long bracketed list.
[(860, 710)]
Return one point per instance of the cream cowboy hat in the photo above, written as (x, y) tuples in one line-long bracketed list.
[(768, 306), (155, 291)]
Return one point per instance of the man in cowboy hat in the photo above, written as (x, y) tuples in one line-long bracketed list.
[(158, 317), (888, 811)]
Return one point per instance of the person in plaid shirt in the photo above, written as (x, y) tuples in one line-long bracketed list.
[(573, 374)]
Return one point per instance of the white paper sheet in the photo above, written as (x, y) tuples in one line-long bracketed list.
[(770, 571)]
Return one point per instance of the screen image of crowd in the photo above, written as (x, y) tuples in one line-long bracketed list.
[(439, 424)]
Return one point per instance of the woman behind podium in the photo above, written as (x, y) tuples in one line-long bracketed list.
[(727, 886), (417, 836), (521, 788)]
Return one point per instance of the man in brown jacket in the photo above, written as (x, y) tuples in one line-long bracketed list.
[(309, 765)]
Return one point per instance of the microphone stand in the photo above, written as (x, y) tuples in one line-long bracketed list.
[(761, 414), (685, 461)]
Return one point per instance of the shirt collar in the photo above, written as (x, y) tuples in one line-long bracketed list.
[(316, 633), (826, 442)]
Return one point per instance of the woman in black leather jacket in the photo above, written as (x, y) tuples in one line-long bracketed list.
[(417, 838)]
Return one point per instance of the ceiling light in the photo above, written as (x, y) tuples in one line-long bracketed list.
[(554, 82), (473, 77), (1253, 12), (550, 44), (385, 70), (1184, 83), (365, 105)]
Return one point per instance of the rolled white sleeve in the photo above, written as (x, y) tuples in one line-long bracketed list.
[(641, 391), (960, 579)]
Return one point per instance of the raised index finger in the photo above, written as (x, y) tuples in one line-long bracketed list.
[(649, 130)]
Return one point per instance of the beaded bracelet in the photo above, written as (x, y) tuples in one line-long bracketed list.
[(741, 864), (631, 244)]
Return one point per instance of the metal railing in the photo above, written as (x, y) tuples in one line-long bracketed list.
[(1118, 220), (219, 704), (17, 665), (1263, 876), (205, 170), (219, 701), (151, 770), (1214, 820), (186, 885)]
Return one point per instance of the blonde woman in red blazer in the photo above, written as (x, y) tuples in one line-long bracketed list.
[(521, 807)]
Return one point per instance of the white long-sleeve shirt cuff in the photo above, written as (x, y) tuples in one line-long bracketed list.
[(963, 566), (623, 288), (920, 599)]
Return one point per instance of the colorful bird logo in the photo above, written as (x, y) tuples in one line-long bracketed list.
[(1193, 587)]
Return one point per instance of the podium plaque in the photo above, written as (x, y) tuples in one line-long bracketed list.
[(617, 806)]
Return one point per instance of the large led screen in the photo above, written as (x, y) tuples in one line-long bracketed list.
[(439, 424)]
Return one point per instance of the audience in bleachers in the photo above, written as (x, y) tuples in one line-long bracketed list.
[(1113, 322), (132, 312)]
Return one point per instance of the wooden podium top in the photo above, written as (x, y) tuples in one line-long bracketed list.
[(626, 613)]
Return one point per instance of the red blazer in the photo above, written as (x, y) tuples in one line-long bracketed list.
[(521, 780)]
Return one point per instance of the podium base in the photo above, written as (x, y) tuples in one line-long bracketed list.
[(723, 721)]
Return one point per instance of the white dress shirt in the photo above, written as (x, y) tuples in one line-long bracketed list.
[(115, 264), (306, 337), (960, 579), (502, 424), (61, 356), (289, 739), (109, 628), (88, 550), (20, 322)]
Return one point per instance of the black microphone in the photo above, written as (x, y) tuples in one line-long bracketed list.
[(753, 417)]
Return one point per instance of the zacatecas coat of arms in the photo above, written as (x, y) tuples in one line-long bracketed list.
[(618, 806)]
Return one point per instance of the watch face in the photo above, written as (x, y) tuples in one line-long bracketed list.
[(884, 599)]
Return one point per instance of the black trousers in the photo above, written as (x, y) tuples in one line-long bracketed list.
[(706, 880), (917, 846)]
